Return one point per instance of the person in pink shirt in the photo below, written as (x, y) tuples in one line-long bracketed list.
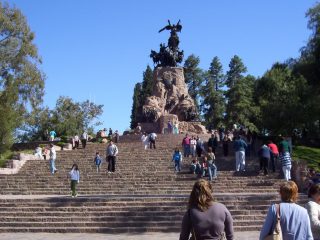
[(186, 146), (274, 155)]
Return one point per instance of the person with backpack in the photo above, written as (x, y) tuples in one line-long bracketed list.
[(112, 152), (84, 139), (177, 158), (152, 139), (97, 161), (74, 175)]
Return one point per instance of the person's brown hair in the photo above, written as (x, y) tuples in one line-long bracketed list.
[(289, 191), (201, 195), (314, 189)]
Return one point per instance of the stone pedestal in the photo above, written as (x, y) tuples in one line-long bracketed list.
[(170, 100)]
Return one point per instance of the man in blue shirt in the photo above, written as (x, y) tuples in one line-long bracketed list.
[(239, 147)]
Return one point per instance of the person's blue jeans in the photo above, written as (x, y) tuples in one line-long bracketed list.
[(177, 165), (186, 150), (52, 166), (212, 171)]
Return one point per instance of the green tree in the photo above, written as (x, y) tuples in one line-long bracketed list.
[(213, 105), (281, 96), (240, 99), (21, 81), (67, 119), (308, 65), (236, 71), (194, 77), (136, 109), (147, 84)]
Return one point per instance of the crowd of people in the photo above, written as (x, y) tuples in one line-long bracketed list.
[(207, 219)]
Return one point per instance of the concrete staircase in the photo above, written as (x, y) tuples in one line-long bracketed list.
[(143, 195)]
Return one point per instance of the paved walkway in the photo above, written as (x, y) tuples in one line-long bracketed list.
[(86, 236)]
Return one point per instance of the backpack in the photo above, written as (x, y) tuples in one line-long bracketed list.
[(98, 161), (176, 156), (152, 137)]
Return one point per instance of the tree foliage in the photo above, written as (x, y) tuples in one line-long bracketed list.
[(193, 77), (67, 119), (213, 105), (281, 97), (21, 80), (140, 93), (136, 106)]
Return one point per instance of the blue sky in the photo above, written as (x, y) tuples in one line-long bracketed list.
[(98, 49)]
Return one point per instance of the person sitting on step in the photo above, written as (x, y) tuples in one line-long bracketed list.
[(204, 167), (195, 167)]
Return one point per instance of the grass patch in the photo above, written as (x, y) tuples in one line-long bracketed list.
[(309, 154), (4, 157)]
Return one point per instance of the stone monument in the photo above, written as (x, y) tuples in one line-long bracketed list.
[(170, 99)]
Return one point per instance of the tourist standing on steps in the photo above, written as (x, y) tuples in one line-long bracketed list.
[(313, 208), (212, 168), (176, 128), (76, 142), (274, 155), (52, 159), (170, 127), (186, 146), (205, 218), (97, 161), (74, 175), (225, 145), (177, 158), (239, 147), (110, 133), (152, 140), (294, 220), (116, 136), (199, 147), (193, 145), (52, 135), (213, 142), (264, 155), (84, 139), (284, 146), (285, 160), (145, 141), (112, 152)]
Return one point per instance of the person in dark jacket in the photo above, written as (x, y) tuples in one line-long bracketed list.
[(213, 142), (264, 155)]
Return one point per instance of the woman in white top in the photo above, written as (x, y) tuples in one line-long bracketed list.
[(313, 208), (193, 144), (145, 141), (75, 178)]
